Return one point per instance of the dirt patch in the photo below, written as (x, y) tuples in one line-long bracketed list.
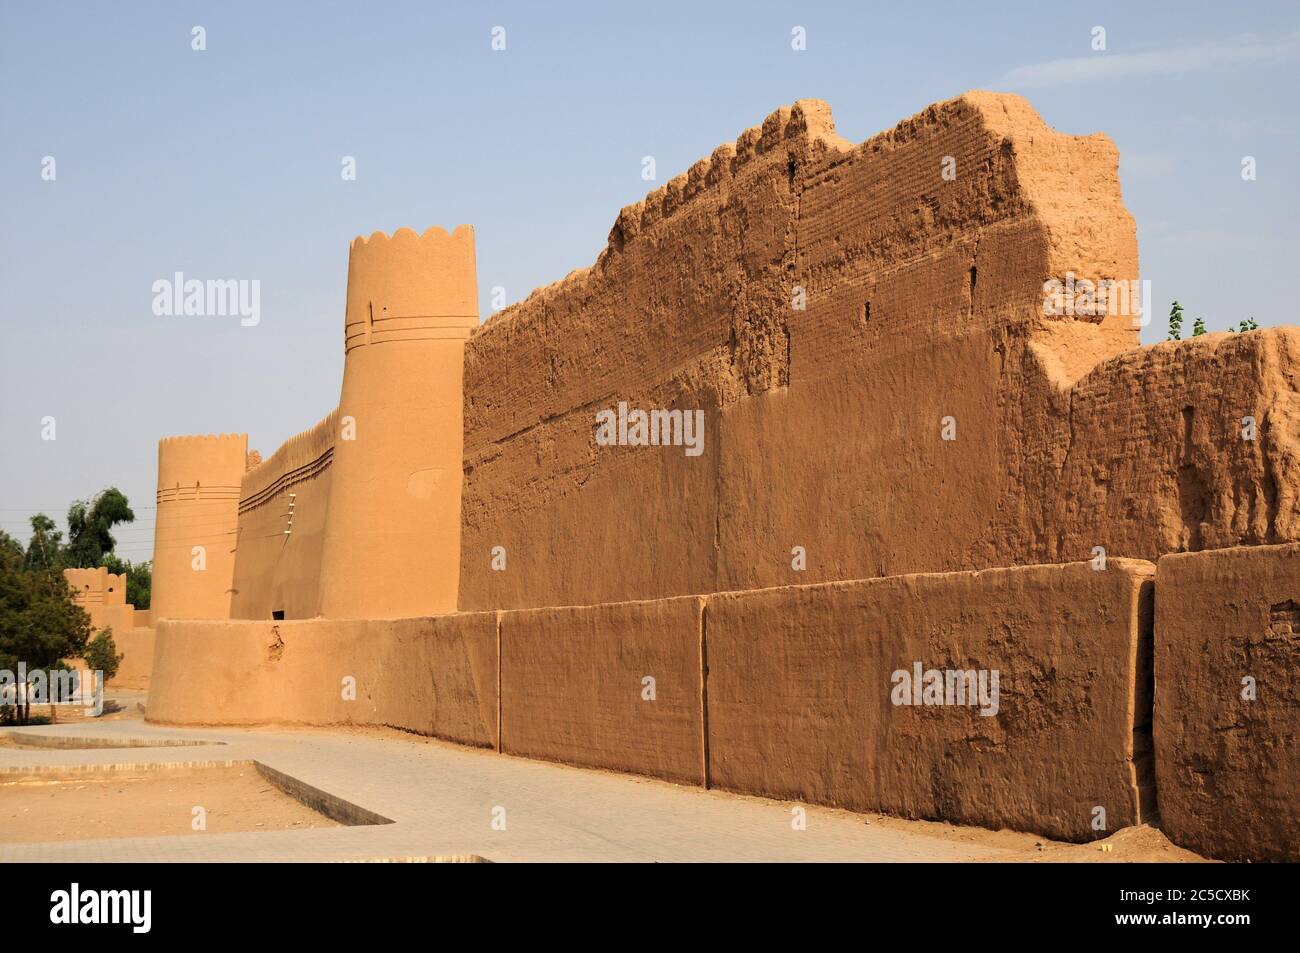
[(149, 804), (1141, 844)]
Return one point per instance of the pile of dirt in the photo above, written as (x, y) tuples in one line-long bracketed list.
[(1141, 844)]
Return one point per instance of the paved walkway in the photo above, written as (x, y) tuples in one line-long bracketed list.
[(442, 799)]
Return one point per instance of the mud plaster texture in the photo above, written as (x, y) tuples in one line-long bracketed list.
[(827, 306), (782, 692), (1228, 765)]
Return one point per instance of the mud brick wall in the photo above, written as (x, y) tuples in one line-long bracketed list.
[(801, 707), (573, 687), (923, 300), (275, 571), (435, 676), (827, 306), (782, 692), (1158, 458), (136, 646), (1228, 766)]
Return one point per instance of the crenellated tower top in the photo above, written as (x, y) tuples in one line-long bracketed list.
[(409, 287)]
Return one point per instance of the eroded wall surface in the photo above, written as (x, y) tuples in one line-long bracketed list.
[(824, 426), (1183, 446), (833, 311), (804, 702), (1227, 702)]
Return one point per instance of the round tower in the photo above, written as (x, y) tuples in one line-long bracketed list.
[(197, 523), (392, 538)]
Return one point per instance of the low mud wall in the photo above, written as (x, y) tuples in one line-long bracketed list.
[(795, 692), (810, 692), (136, 647), (613, 686), (1227, 705), (1038, 723), (435, 676)]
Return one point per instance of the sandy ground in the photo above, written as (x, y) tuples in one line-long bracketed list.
[(1133, 845), (149, 804), (1141, 844)]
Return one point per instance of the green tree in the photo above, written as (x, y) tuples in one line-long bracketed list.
[(1198, 327), (1176, 322), (11, 552), (89, 527), (139, 578), (45, 550), (101, 654), (40, 625)]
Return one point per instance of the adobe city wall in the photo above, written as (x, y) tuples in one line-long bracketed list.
[(834, 312), (784, 693), (359, 516), (102, 595), (277, 566), (823, 426), (863, 331), (392, 537), (135, 648), (1227, 711)]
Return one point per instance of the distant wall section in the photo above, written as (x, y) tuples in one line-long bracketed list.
[(282, 516), (102, 595)]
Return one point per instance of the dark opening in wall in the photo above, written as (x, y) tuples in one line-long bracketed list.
[(864, 316), (277, 614)]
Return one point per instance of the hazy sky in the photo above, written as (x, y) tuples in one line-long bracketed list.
[(226, 163)]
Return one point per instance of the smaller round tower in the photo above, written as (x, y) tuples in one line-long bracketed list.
[(197, 524)]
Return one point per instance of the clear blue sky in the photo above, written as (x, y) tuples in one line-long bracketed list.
[(226, 164)]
